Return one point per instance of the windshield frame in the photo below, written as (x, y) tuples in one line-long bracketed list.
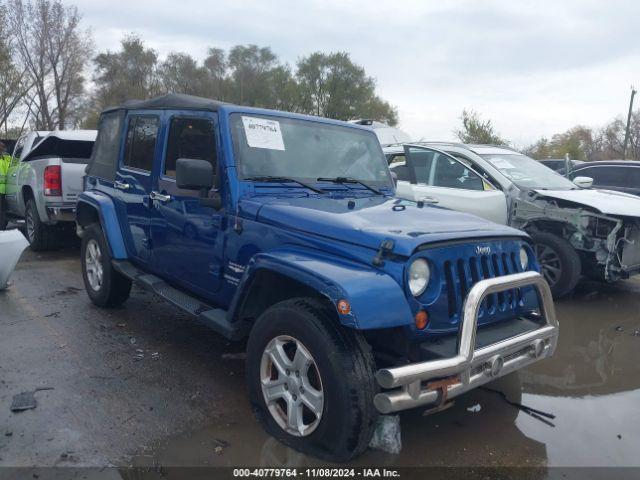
[(563, 184), (368, 135)]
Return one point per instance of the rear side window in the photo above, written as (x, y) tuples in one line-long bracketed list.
[(140, 144), (190, 138), (104, 160)]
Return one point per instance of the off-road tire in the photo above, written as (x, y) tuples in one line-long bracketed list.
[(346, 368), (569, 262), (115, 287), (41, 236)]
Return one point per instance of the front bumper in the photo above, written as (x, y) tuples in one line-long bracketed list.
[(435, 381)]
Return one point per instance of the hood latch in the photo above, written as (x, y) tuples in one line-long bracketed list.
[(386, 247)]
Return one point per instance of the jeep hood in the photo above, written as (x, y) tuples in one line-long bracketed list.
[(368, 221), (606, 202)]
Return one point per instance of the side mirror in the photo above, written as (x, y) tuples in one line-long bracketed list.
[(192, 174), (394, 177), (583, 182)]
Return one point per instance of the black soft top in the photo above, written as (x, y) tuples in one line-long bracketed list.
[(176, 101)]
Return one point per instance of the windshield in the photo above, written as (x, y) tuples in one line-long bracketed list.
[(306, 150), (527, 172)]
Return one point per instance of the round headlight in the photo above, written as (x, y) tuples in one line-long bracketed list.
[(418, 276), (524, 258)]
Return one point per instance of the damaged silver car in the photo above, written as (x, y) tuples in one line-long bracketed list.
[(578, 230)]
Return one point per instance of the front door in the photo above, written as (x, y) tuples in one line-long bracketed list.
[(441, 179), (186, 236), (133, 184)]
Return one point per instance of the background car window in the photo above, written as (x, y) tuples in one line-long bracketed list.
[(451, 173), (190, 138), (17, 151), (421, 161), (396, 159), (140, 144), (608, 175), (402, 171)]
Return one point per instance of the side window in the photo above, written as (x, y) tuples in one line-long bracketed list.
[(402, 171), (421, 161), (140, 143), (190, 138), (451, 173), (610, 176)]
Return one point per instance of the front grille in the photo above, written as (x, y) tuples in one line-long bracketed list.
[(463, 273)]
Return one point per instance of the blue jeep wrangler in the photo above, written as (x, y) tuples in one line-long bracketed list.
[(284, 229)]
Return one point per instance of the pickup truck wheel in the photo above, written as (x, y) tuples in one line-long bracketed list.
[(39, 235), (105, 286), (559, 261), (311, 381)]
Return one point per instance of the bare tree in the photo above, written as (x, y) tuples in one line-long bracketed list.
[(54, 52), (12, 87)]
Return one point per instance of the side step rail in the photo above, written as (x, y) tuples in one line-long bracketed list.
[(215, 318)]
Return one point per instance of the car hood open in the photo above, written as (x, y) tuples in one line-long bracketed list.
[(607, 202), (368, 221)]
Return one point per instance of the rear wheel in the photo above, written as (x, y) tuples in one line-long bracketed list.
[(39, 235), (559, 261), (105, 286), (311, 381)]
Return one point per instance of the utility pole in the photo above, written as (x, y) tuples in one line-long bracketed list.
[(626, 133)]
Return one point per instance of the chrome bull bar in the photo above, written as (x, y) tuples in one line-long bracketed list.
[(433, 382)]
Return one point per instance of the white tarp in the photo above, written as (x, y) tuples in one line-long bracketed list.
[(12, 244)]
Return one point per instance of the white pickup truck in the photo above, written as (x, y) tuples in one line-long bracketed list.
[(44, 180)]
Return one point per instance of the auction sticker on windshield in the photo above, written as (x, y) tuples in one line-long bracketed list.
[(263, 133)]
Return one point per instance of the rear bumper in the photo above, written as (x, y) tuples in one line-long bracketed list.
[(61, 212), (433, 382)]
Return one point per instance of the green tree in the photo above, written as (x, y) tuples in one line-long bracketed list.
[(180, 73), (249, 68), (130, 73), (476, 130), (331, 85)]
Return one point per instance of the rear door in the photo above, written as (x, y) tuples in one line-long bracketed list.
[(441, 179), (186, 236), (133, 182)]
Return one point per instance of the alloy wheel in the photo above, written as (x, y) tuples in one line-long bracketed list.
[(291, 386), (93, 264), (550, 263)]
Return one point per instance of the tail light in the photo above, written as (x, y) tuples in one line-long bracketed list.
[(53, 181)]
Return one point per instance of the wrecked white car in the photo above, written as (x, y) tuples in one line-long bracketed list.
[(577, 230)]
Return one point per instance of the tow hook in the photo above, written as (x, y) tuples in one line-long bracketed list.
[(386, 247)]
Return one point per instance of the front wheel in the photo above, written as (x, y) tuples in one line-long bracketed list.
[(560, 263), (105, 286), (311, 381)]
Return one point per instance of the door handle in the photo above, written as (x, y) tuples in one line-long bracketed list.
[(159, 197), (430, 200), (121, 185)]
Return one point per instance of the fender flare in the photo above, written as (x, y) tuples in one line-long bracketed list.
[(105, 208), (376, 299)]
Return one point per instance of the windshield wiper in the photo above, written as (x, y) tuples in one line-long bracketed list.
[(350, 180), (269, 178)]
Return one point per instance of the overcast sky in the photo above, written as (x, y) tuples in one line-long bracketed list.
[(533, 67)]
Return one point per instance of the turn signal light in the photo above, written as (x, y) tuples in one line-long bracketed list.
[(344, 307), (53, 181), (421, 320)]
